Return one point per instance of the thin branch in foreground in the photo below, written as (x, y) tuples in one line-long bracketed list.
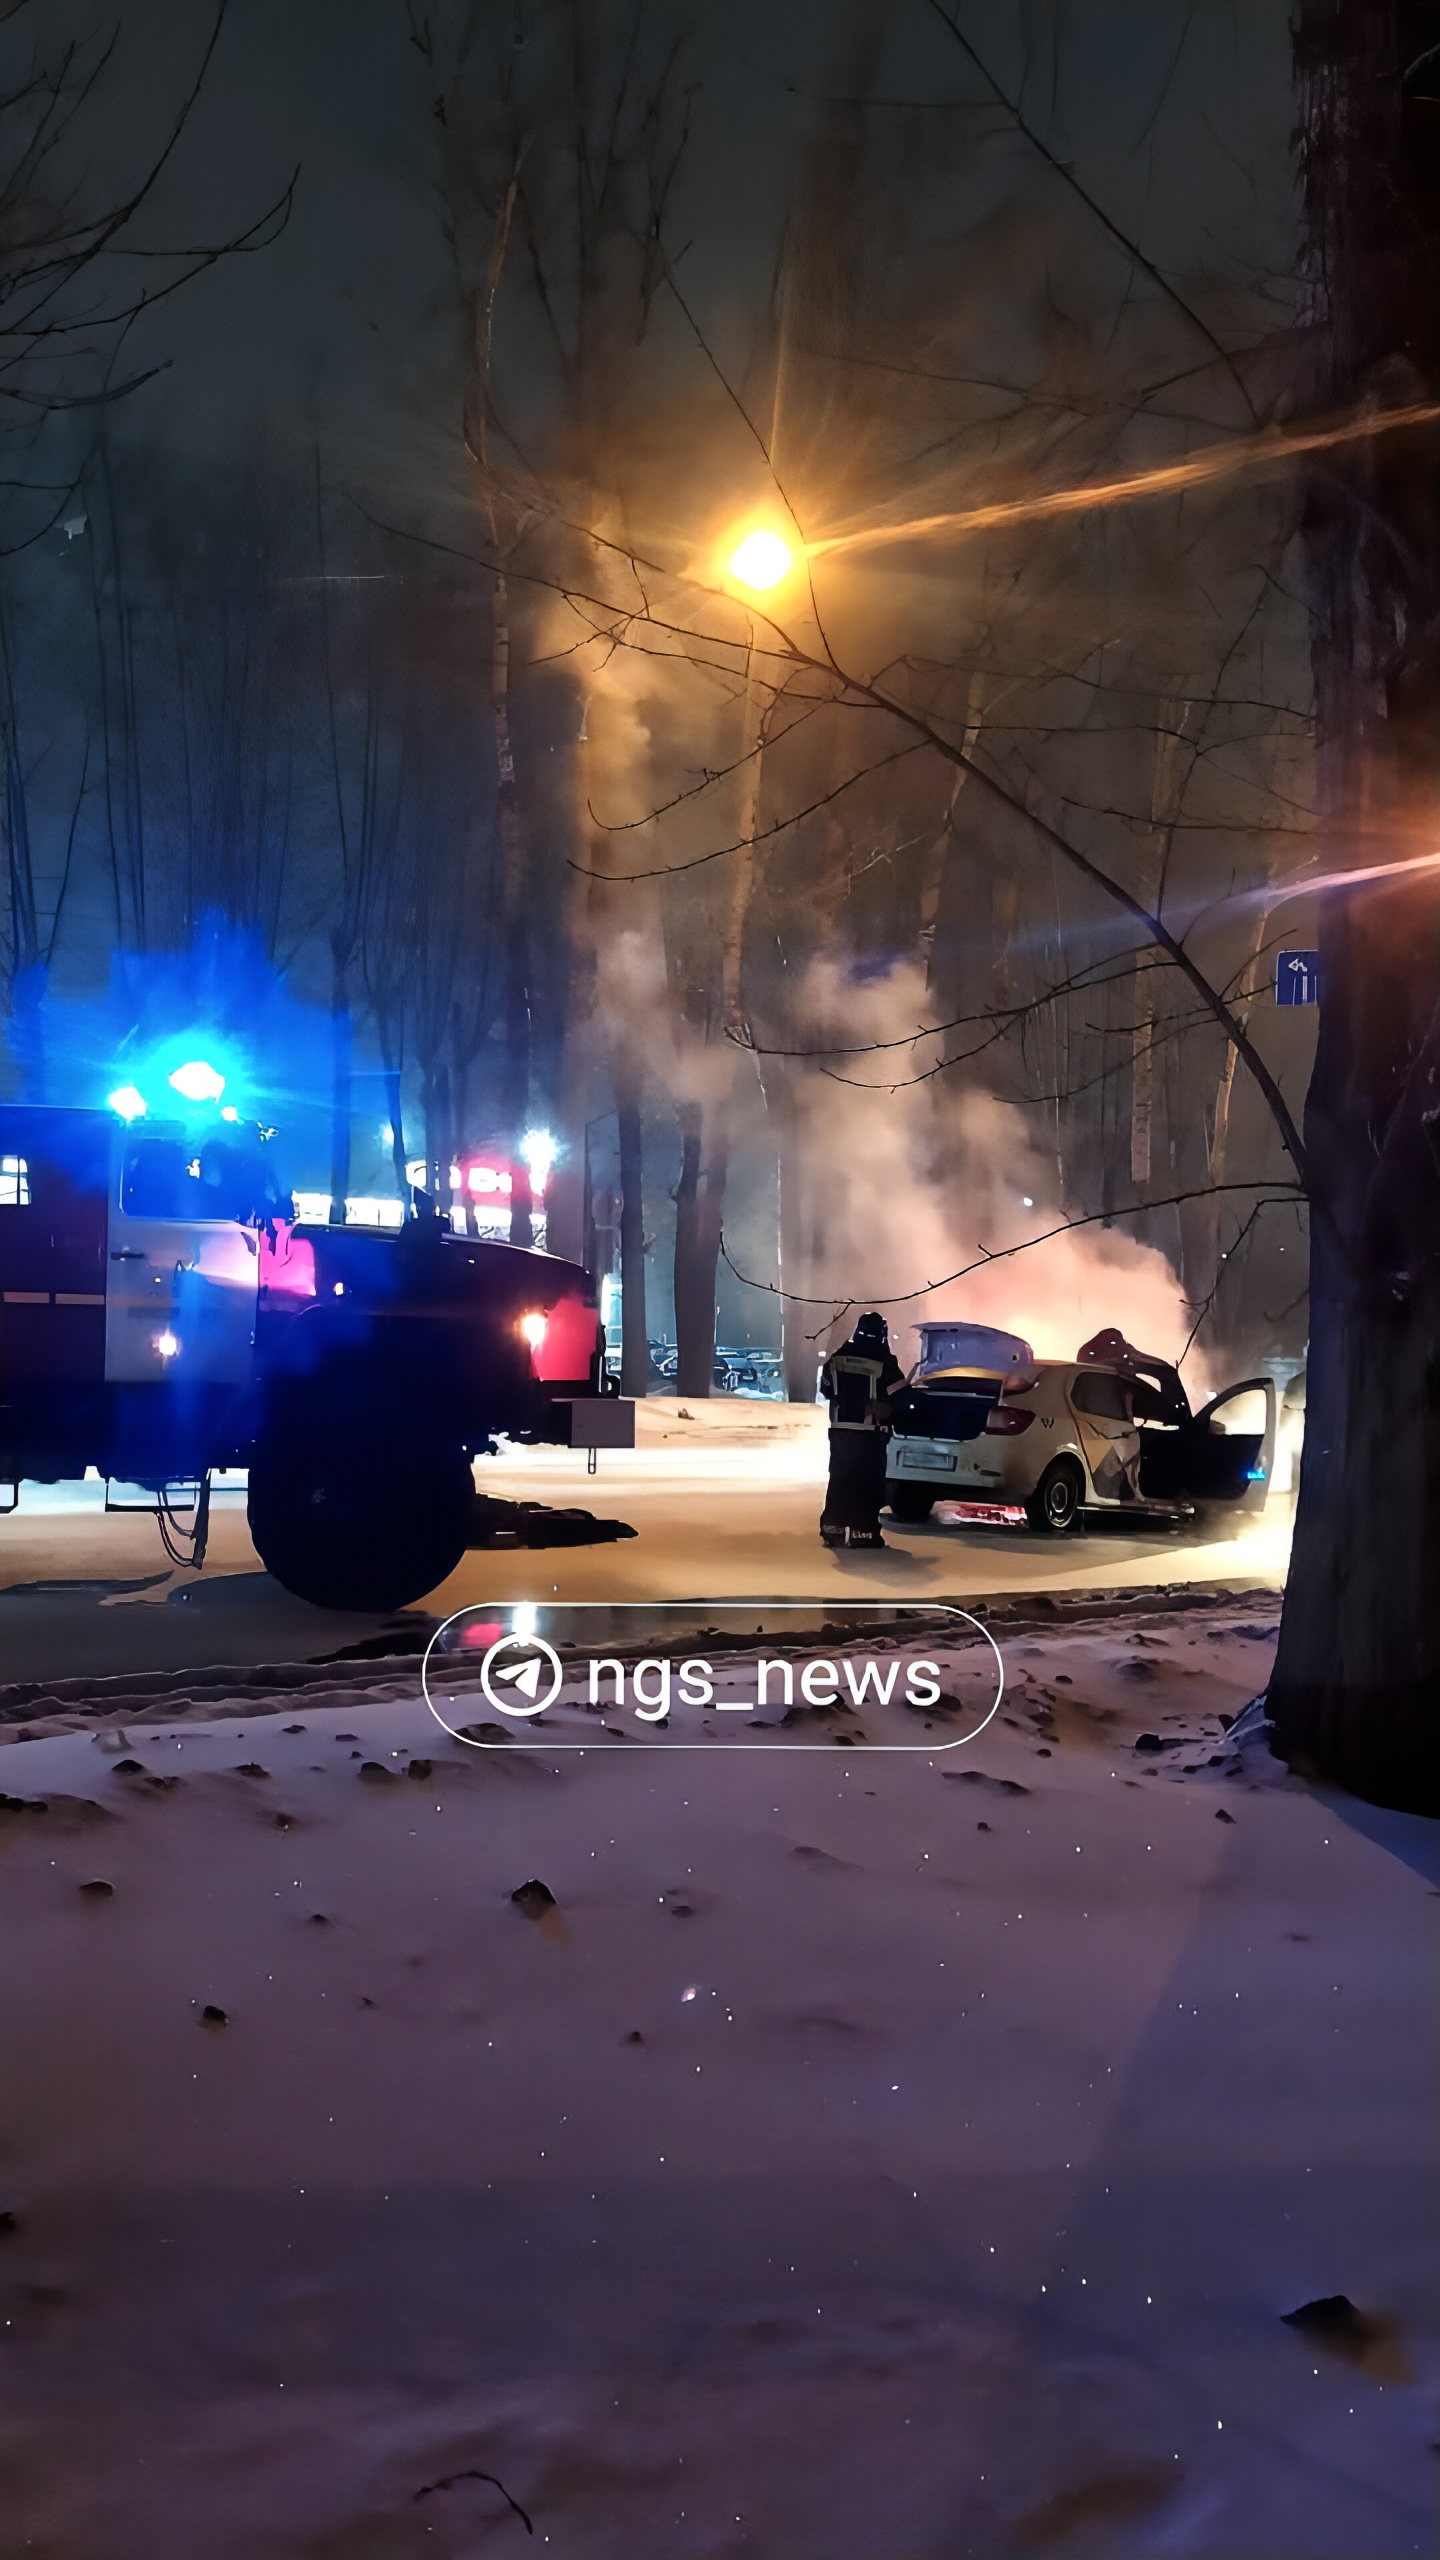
[(1279, 1198), (854, 692), (1206, 1304), (743, 844), (1066, 175)]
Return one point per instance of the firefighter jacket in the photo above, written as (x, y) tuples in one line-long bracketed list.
[(857, 1381)]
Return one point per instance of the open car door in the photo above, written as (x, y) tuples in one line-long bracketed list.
[(1223, 1454)]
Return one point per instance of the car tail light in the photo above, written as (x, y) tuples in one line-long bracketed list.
[(1004, 1420)]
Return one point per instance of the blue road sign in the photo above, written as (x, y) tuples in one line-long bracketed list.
[(1297, 977)]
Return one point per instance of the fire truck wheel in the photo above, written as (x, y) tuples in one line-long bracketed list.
[(910, 1502), (1056, 1500), (352, 1527)]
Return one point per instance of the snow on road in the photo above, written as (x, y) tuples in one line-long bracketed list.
[(865, 2158)]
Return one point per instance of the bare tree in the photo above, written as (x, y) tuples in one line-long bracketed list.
[(984, 748), (76, 277), (562, 132), (1355, 1685)]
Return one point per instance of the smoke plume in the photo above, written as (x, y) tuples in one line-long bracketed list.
[(903, 1187)]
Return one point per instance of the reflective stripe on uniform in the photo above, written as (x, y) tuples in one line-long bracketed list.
[(855, 1387)]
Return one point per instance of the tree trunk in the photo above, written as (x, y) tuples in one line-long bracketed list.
[(566, 1218), (1165, 788), (742, 877), (516, 922), (699, 1206), (1142, 1083), (28, 972), (397, 1128), (1357, 1681), (439, 1137), (341, 1050), (514, 886), (634, 1339), (800, 1359)]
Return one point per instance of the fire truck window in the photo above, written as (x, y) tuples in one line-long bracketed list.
[(156, 1181), (1102, 1394), (14, 1183), (238, 1181), (228, 1178)]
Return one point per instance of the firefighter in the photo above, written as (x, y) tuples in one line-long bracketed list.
[(861, 1381)]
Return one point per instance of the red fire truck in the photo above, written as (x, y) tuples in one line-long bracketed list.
[(163, 1316)]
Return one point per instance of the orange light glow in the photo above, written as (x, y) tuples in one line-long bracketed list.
[(761, 560), (1270, 447), (533, 1330)]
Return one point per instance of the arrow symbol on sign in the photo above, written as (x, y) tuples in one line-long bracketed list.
[(526, 1676)]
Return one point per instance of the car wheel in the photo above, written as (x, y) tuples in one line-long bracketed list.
[(1056, 1501), (358, 1520), (910, 1502)]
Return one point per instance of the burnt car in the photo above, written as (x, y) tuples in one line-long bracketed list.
[(1110, 1431)]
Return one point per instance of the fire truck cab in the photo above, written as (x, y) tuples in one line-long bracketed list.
[(163, 1316)]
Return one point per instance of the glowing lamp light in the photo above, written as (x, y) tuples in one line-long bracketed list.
[(761, 560), (167, 1345), (229, 1112), (539, 1151), (533, 1329), (127, 1103), (198, 1081)]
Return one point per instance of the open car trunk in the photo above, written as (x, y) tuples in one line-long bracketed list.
[(951, 1409), (1223, 1454)]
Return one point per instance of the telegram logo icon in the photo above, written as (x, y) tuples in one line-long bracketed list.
[(520, 1675)]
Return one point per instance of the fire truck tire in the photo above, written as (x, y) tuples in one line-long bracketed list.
[(1055, 1504), (369, 1527), (910, 1502)]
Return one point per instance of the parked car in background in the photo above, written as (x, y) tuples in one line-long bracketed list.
[(744, 1371), (1110, 1431)]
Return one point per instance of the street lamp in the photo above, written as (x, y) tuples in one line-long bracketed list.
[(760, 560)]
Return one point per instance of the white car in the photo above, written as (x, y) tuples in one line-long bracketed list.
[(1110, 1431)]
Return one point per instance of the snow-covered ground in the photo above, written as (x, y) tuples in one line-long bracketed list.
[(868, 2157)]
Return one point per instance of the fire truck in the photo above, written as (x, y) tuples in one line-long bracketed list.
[(163, 1315)]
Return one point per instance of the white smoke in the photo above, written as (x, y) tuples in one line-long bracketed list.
[(638, 1015), (901, 1183), (905, 1187)]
